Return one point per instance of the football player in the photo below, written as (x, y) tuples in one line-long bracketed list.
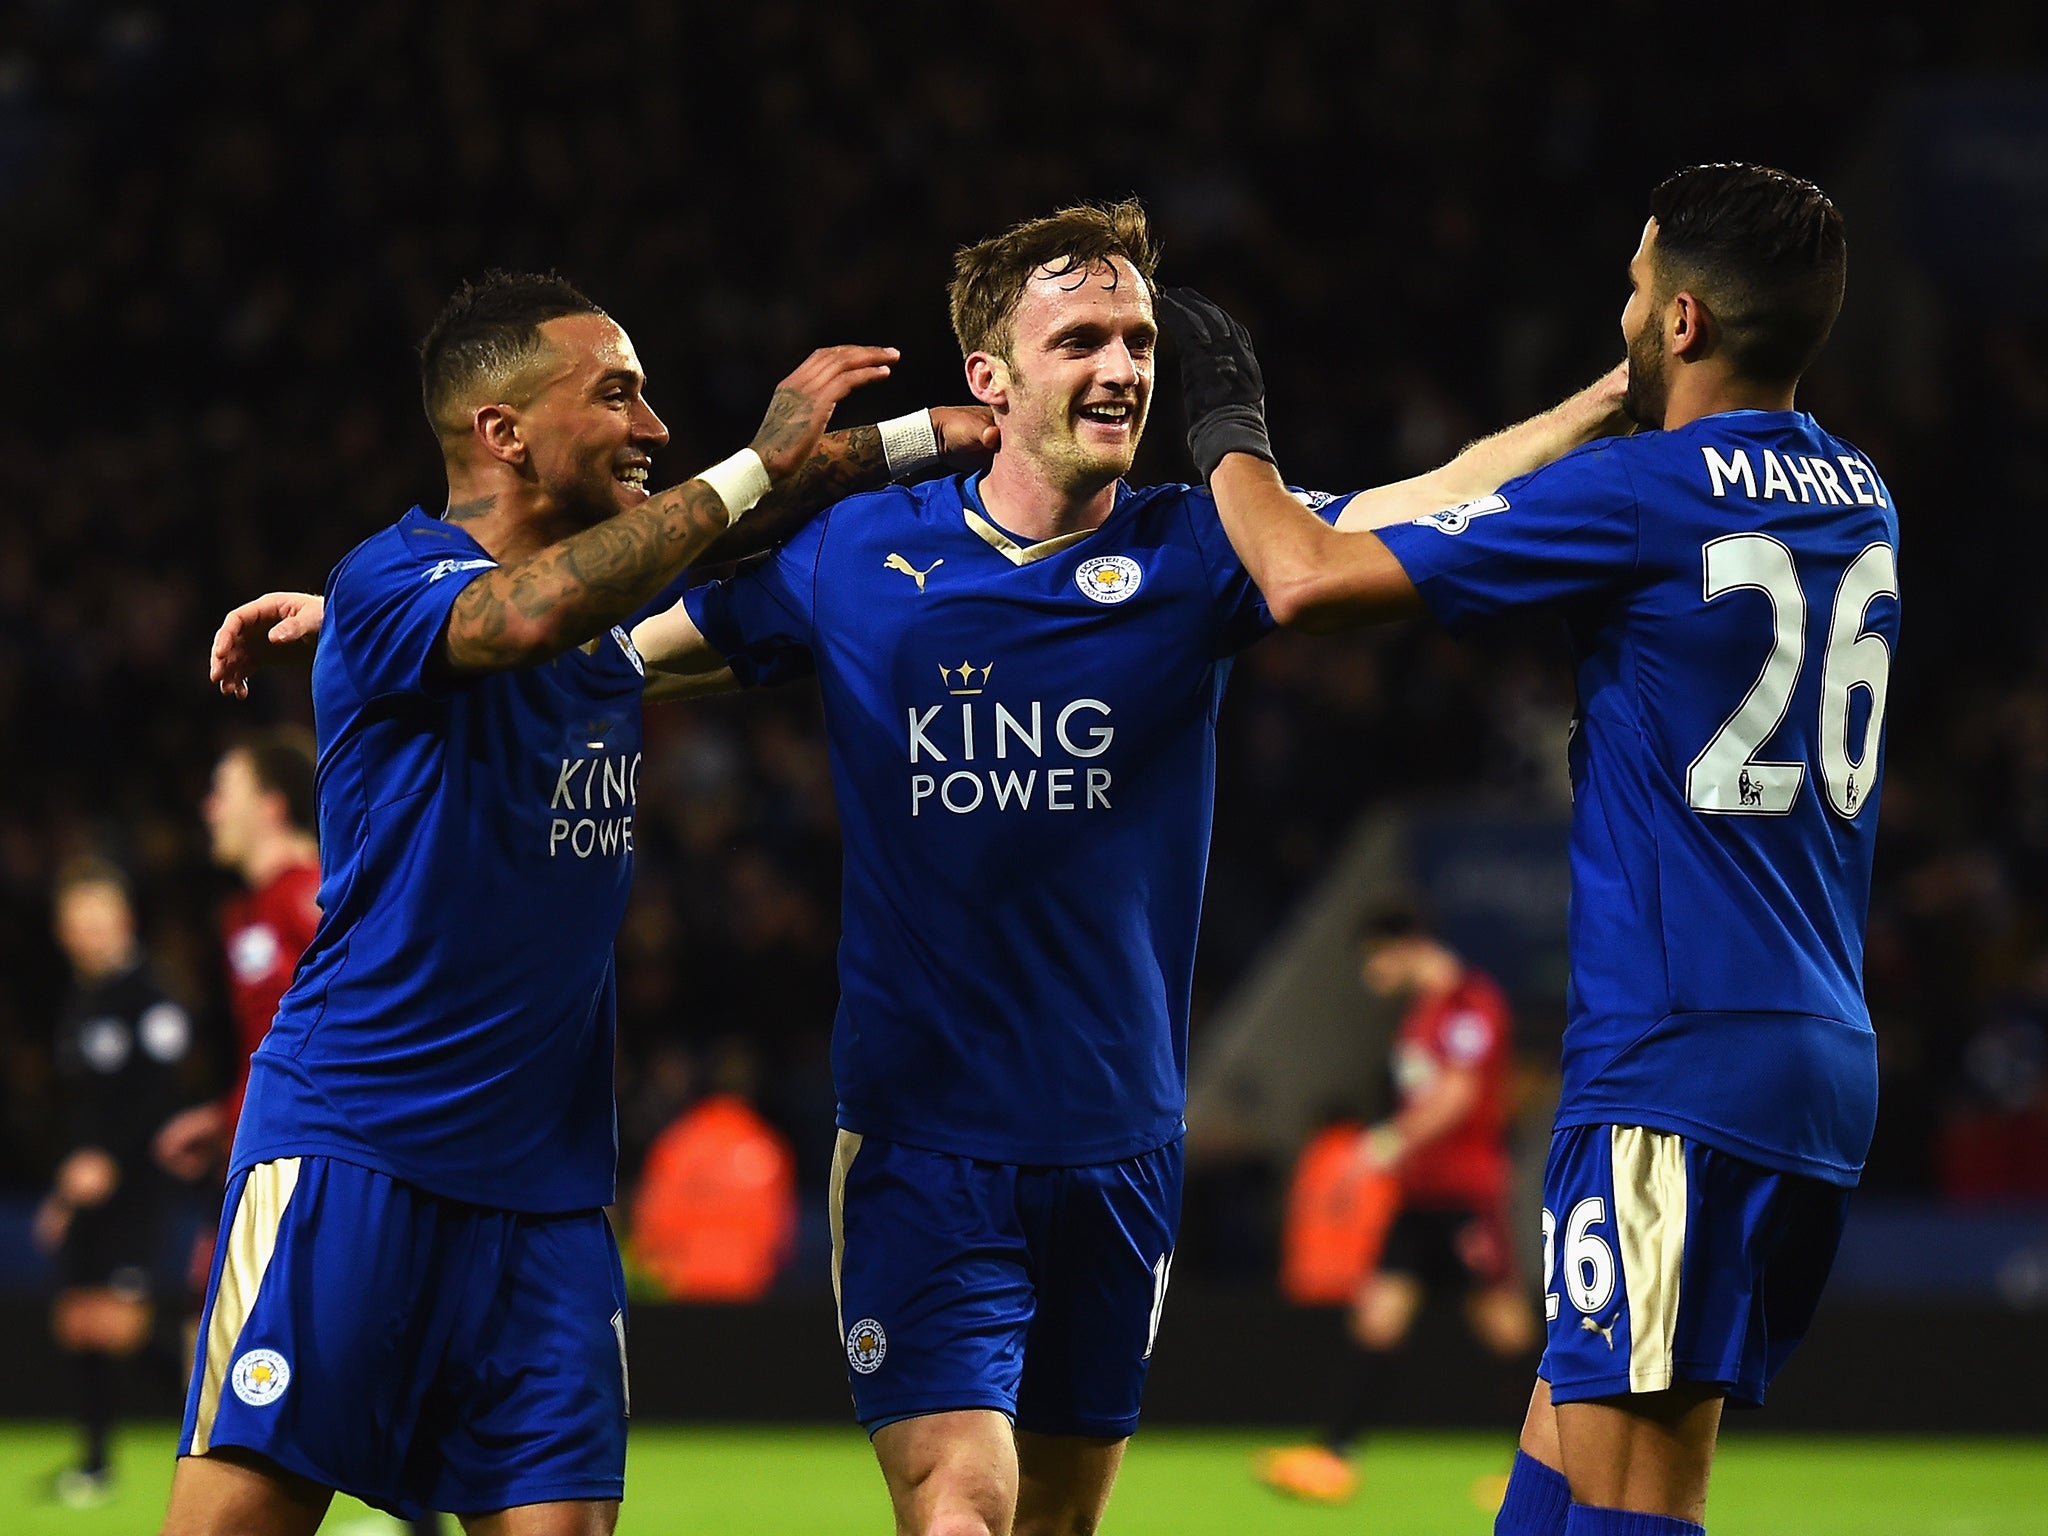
[(1729, 581)]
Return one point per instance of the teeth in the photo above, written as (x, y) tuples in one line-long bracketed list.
[(636, 476)]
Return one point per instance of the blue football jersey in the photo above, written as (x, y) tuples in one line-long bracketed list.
[(1023, 749), (1731, 591), (451, 1024)]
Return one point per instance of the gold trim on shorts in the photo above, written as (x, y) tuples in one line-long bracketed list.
[(251, 1240)]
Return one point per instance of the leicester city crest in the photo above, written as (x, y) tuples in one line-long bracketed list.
[(260, 1377), (1109, 578), (866, 1344)]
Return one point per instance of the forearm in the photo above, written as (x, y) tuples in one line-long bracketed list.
[(1485, 466), (1312, 575), (1437, 1112), (580, 587), (681, 663), (843, 464)]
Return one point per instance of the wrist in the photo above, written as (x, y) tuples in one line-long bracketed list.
[(909, 442), (1228, 429), (739, 482)]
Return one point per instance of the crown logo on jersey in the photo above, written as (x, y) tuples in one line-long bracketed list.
[(965, 680)]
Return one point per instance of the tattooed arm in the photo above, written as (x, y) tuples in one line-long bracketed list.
[(845, 464), (521, 615), (840, 464)]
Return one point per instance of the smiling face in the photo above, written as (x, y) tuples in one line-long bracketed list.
[(585, 424), (1073, 393)]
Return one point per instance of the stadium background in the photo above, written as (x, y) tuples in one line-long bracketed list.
[(222, 225)]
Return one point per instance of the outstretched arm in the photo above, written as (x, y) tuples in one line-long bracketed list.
[(681, 663), (961, 437), (1487, 465), (521, 615), (1313, 576)]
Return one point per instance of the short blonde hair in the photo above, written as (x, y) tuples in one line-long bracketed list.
[(989, 277)]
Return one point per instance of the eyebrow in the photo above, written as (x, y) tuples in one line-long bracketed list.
[(1091, 330), (620, 376)]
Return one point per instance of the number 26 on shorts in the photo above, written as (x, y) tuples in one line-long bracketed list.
[(1588, 1260)]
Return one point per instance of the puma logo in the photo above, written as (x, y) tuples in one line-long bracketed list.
[(898, 563), (1606, 1333)]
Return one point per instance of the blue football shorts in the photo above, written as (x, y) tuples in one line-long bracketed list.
[(1665, 1261), (416, 1352), (1036, 1292)]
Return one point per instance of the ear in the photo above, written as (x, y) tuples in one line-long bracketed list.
[(988, 380), (1689, 325), (497, 429)]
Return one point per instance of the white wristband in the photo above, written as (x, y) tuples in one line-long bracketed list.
[(908, 442), (740, 481)]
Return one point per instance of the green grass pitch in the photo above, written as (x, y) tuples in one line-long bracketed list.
[(821, 1482)]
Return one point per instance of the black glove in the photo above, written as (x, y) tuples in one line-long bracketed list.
[(1220, 383)]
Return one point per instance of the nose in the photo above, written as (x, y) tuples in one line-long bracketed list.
[(648, 427), (1119, 367)]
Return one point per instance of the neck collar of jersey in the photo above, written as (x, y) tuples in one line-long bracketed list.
[(978, 523)]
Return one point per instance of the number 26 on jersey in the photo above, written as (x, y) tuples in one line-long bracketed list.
[(1728, 777)]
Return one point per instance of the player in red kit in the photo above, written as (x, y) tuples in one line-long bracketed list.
[(260, 814), (1445, 1143)]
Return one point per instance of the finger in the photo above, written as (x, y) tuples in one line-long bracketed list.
[(292, 627), (1198, 313), (828, 361), (1173, 313), (841, 385)]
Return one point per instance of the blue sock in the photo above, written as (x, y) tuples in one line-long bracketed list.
[(1537, 1501), (1591, 1520)]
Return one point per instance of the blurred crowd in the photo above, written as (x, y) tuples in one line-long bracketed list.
[(222, 226)]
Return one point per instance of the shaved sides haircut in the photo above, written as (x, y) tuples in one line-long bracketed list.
[(989, 278), (486, 336), (1766, 254)]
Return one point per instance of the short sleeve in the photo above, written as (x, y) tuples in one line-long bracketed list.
[(761, 620), (387, 609), (1567, 531), (1241, 612)]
